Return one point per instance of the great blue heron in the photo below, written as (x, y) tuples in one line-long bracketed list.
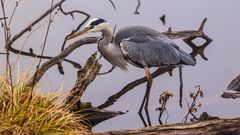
[(138, 45)]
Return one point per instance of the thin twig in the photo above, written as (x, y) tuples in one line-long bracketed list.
[(79, 26), (107, 72), (29, 27), (138, 5), (43, 48), (181, 86), (7, 36), (113, 5), (32, 54), (3, 18), (5, 26), (14, 10), (112, 99)]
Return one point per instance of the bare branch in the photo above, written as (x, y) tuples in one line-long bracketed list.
[(138, 6), (113, 5), (3, 18), (189, 36), (32, 54), (79, 26), (186, 33), (14, 10), (55, 60), (29, 27), (43, 48), (109, 71), (6, 37), (112, 99)]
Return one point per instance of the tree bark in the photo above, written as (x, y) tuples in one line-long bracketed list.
[(85, 76), (208, 127)]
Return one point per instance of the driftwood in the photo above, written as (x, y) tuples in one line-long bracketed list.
[(73, 103), (94, 116), (234, 87), (231, 95), (85, 76), (207, 127)]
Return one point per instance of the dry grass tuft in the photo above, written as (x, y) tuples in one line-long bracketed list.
[(20, 114)]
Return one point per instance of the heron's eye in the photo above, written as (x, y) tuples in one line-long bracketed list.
[(89, 27)]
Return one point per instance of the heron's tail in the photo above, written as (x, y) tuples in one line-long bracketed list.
[(186, 59)]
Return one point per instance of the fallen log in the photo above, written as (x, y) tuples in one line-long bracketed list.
[(206, 127)]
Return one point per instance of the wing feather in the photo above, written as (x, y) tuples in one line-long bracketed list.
[(148, 47), (152, 53)]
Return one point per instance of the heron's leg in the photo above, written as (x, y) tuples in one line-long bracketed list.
[(143, 102), (149, 84), (146, 95), (143, 120)]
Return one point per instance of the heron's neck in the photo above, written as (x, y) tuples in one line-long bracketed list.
[(112, 52), (106, 37)]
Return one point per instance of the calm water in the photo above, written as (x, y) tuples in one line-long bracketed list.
[(213, 75)]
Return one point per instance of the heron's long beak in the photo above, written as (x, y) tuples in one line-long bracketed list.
[(81, 32)]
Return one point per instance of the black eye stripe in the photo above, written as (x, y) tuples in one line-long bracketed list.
[(98, 21)]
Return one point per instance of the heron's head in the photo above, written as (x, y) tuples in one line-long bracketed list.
[(94, 25)]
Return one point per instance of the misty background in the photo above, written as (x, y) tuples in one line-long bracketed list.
[(213, 75)]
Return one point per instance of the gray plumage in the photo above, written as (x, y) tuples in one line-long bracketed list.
[(138, 45), (144, 46)]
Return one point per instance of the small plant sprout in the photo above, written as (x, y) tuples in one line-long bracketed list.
[(164, 97), (195, 105)]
